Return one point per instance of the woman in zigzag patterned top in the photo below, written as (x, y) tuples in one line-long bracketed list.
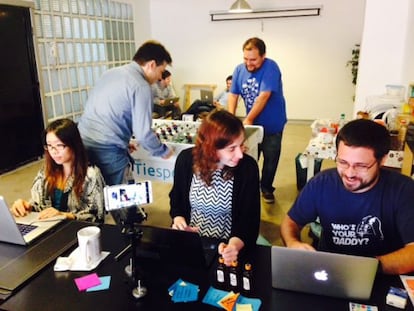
[(216, 186)]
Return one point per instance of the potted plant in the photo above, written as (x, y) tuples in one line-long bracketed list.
[(353, 63)]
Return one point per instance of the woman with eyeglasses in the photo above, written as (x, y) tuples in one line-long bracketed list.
[(66, 185), (216, 187)]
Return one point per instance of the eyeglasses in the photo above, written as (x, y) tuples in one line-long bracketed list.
[(57, 147), (358, 167)]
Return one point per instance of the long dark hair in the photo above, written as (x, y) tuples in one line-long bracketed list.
[(218, 129), (67, 131)]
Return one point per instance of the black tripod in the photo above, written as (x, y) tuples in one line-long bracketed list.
[(129, 218)]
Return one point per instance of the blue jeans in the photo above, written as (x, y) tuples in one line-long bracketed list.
[(270, 147), (111, 161)]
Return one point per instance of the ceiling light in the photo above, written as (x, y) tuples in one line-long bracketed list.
[(240, 6)]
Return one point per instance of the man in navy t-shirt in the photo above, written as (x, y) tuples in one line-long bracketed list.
[(363, 208)]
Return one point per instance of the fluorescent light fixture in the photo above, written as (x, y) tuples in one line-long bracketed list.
[(240, 6), (311, 10)]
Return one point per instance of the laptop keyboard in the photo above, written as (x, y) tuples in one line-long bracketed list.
[(25, 229)]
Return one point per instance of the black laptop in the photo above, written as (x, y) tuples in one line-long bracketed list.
[(177, 247)]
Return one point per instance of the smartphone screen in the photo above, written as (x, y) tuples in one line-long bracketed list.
[(127, 195)]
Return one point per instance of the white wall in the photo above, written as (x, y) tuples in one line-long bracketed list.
[(386, 49), (311, 51)]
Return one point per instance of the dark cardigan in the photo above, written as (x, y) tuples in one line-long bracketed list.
[(245, 202)]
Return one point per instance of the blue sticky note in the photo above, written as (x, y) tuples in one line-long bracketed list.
[(213, 296), (182, 291), (105, 281), (172, 288), (255, 302), (185, 293)]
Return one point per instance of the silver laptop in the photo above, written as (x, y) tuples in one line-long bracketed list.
[(322, 273), (23, 230), (171, 100), (207, 96)]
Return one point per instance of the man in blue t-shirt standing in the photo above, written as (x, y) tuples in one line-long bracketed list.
[(259, 82), (363, 209)]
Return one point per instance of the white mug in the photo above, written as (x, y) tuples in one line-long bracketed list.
[(89, 240)]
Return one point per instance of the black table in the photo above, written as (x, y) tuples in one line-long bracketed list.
[(50, 290)]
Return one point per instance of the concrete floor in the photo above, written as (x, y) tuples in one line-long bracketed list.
[(17, 184)]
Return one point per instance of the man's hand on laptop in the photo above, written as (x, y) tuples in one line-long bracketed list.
[(20, 208), (300, 245)]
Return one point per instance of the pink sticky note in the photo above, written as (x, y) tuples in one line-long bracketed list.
[(87, 281)]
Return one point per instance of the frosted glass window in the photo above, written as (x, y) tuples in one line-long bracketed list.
[(67, 27), (76, 101), (131, 31), (44, 5), (116, 51), (65, 6), (90, 36), (70, 53), (114, 30), (67, 103), (96, 73), (82, 77), (74, 6), (54, 78), (37, 4), (79, 53), (64, 79), (102, 54), (132, 50), (108, 31), (76, 28), (82, 7), (74, 77), (58, 27), (122, 51), (95, 54), (47, 26), (110, 52), (99, 29), (42, 56), (130, 15), (38, 26), (45, 77), (105, 8), (61, 53), (89, 72), (57, 102), (84, 97), (118, 13), (55, 5), (87, 53), (112, 8), (98, 8), (124, 11), (90, 9), (85, 29), (49, 108), (92, 29), (121, 30)]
